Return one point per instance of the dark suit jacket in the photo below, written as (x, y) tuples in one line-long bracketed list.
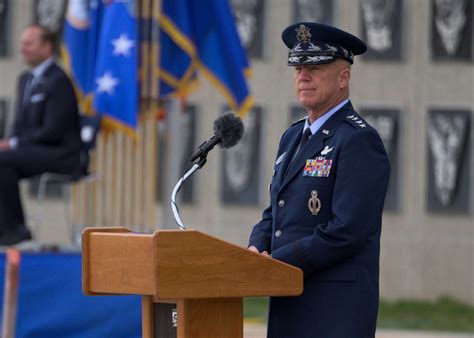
[(47, 125), (337, 249)]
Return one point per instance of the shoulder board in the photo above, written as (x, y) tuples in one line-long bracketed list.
[(356, 121), (299, 121)]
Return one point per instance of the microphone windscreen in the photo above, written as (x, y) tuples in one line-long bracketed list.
[(229, 129)]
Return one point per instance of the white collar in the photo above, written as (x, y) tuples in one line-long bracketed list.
[(322, 119), (39, 70)]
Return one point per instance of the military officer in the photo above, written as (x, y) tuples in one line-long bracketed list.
[(326, 197)]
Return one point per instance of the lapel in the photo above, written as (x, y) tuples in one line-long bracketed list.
[(25, 91), (40, 81), (24, 81), (289, 153), (314, 145), (36, 86)]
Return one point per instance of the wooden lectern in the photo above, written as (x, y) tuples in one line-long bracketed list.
[(206, 278)]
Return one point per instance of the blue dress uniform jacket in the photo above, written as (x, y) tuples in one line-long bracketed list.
[(345, 166)]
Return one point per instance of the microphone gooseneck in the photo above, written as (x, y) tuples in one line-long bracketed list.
[(228, 130)]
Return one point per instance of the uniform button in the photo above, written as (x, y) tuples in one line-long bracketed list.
[(278, 233), (281, 203)]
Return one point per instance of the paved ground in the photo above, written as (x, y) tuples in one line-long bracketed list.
[(414, 334), (259, 331)]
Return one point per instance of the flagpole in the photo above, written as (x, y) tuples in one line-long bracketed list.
[(173, 158), (152, 134)]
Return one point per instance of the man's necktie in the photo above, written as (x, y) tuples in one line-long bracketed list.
[(27, 89), (304, 139)]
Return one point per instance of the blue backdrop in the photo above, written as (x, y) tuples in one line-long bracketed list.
[(51, 303)]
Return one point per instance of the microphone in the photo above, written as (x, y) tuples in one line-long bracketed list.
[(228, 130)]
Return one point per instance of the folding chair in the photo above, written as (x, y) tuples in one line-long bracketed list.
[(90, 126)]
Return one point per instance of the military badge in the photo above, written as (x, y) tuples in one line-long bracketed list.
[(318, 167), (280, 158), (326, 150), (303, 34), (314, 203), (356, 120)]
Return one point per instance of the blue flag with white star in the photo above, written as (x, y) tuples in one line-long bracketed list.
[(100, 55), (116, 82)]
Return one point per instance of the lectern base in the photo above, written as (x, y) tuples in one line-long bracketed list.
[(196, 318), (165, 319)]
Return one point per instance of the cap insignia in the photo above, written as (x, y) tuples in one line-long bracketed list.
[(331, 48), (303, 34), (297, 48), (313, 48), (294, 59), (318, 58), (346, 53)]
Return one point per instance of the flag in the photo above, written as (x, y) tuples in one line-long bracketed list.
[(80, 38), (201, 35), (100, 55), (116, 80)]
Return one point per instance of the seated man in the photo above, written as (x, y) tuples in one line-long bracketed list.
[(45, 136)]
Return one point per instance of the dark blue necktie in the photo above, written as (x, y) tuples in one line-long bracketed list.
[(304, 139), (27, 89)]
